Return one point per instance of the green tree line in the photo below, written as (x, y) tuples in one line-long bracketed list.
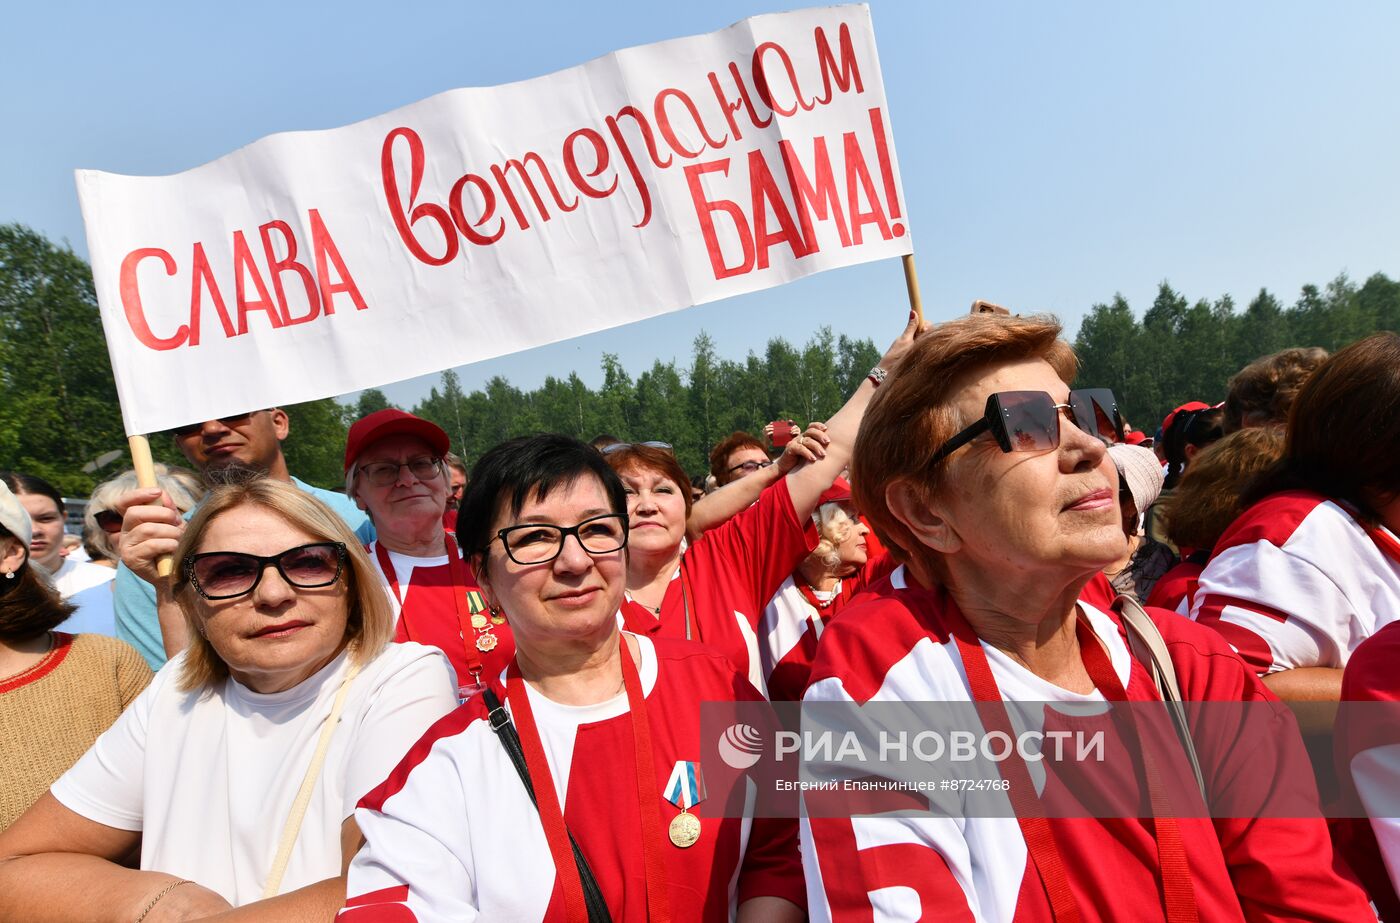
[(1181, 351), (59, 411)]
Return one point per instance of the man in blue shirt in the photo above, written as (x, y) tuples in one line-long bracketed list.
[(230, 448)]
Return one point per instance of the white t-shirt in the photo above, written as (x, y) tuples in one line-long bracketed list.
[(75, 576), (209, 777)]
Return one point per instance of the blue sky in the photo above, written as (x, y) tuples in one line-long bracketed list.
[(1052, 154)]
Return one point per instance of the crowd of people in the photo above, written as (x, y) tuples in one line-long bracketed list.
[(438, 695)]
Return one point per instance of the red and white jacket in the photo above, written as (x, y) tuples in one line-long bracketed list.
[(452, 836), (792, 627), (1296, 581), (1367, 746), (1176, 589), (726, 578), (896, 644)]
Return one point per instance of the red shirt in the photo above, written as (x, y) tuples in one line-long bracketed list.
[(452, 833), (726, 578), (429, 615), (896, 644)]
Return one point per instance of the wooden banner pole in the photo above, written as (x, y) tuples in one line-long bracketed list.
[(145, 467), (911, 280)]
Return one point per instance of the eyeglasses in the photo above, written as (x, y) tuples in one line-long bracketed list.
[(109, 521), (749, 467), (1029, 421), (190, 429), (226, 574), (619, 446), (382, 474), (540, 542)]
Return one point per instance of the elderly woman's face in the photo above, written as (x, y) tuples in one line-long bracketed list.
[(1013, 512), (571, 599), (655, 510), (407, 497), (853, 549), (277, 635)]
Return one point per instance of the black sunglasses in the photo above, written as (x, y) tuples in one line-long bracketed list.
[(189, 429), (1029, 421), (226, 574), (109, 521)]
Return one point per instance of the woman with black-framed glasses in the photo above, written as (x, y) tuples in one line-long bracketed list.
[(597, 738), (237, 771), (990, 480)]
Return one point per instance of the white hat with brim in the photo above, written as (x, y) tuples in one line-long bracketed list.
[(14, 517), (1140, 471)]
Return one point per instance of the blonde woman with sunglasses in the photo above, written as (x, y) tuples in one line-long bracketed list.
[(236, 773)]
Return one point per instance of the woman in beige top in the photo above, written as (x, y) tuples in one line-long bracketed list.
[(58, 692)]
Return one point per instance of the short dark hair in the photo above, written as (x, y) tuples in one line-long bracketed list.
[(29, 484), (719, 455), (513, 472), (29, 604), (1343, 429)]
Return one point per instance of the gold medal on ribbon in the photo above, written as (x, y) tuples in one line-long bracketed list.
[(498, 620), (479, 621), (685, 789), (685, 830)]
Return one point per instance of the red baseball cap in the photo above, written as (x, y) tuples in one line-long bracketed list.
[(1189, 405), (1136, 437), (392, 422), (838, 492)]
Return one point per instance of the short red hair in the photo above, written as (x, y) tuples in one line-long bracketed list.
[(719, 455), (912, 414), (647, 457)]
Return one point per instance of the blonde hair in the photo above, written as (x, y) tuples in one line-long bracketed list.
[(834, 526), (369, 623), (183, 485)]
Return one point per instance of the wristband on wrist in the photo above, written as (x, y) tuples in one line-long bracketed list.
[(160, 894), (877, 376)]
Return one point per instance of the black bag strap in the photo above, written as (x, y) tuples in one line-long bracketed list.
[(510, 739)]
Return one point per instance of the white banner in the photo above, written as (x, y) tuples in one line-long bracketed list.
[(484, 221)]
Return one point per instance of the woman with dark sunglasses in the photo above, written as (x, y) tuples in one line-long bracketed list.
[(236, 773), (715, 588), (597, 741), (102, 534), (990, 480)]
